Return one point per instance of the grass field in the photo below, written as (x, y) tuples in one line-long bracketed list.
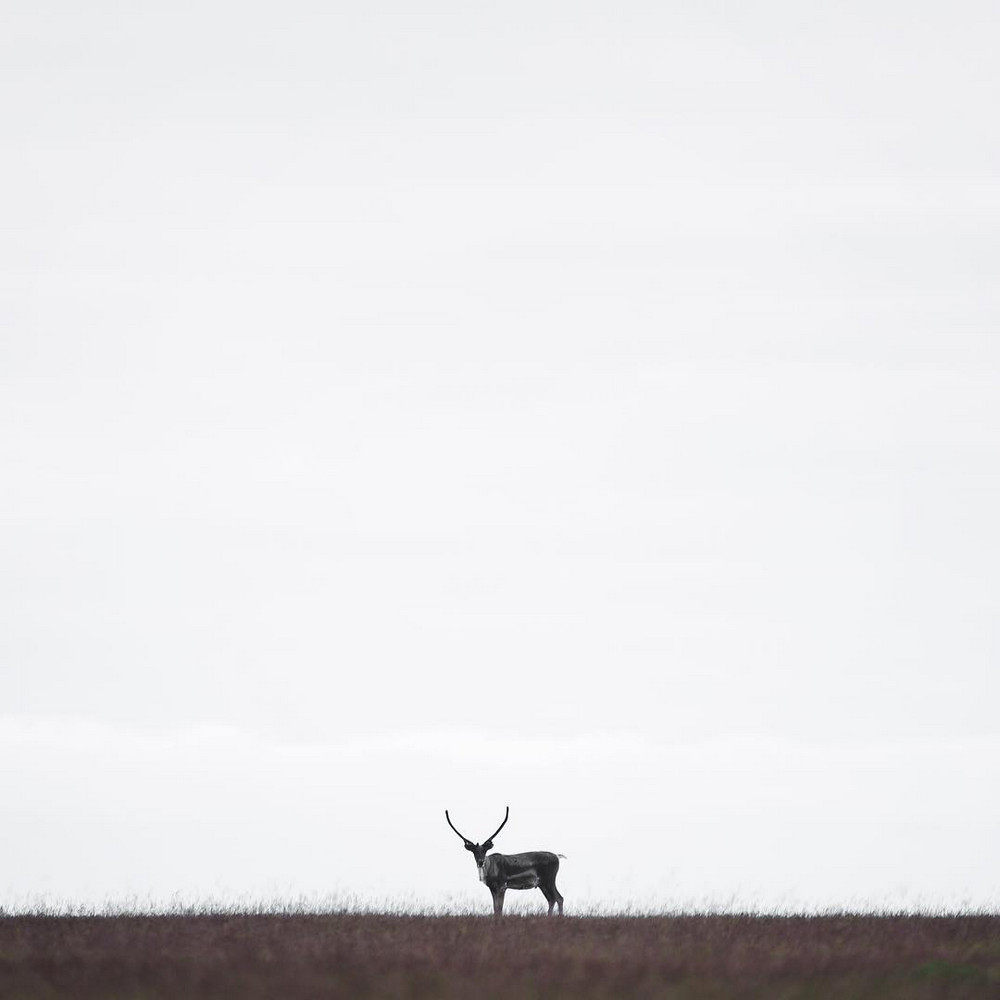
[(293, 956)]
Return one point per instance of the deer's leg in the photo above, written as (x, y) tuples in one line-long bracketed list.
[(557, 896), (498, 894), (549, 895)]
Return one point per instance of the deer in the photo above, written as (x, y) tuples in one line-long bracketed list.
[(500, 872)]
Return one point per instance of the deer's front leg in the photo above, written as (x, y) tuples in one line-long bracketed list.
[(498, 894)]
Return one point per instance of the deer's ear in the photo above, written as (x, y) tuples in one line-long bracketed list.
[(487, 845)]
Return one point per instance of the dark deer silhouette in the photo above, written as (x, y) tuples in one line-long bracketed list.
[(500, 872)]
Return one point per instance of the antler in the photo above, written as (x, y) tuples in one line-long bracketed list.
[(499, 828), (452, 825)]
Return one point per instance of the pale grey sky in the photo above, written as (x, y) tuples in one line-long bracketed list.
[(587, 407)]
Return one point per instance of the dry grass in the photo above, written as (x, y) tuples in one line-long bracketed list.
[(297, 956)]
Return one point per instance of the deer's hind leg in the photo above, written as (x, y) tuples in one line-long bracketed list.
[(552, 895), (556, 895)]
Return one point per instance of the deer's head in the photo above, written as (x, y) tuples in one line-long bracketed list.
[(479, 850)]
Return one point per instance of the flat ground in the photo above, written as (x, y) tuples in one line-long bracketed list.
[(244, 957)]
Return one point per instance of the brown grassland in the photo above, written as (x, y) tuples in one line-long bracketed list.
[(298, 956)]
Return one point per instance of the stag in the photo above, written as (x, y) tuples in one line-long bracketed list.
[(500, 872)]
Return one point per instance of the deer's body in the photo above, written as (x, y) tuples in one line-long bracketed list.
[(534, 870), (500, 872)]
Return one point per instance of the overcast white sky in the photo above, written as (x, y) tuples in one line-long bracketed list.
[(587, 407)]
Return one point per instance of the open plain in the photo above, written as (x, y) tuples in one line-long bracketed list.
[(695, 957)]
